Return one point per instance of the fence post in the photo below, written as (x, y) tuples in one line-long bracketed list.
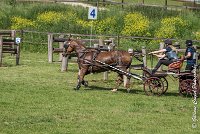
[(122, 4), (161, 47), (101, 43), (64, 65), (112, 44), (18, 54), (118, 41), (104, 3), (1, 50), (50, 48), (165, 4), (13, 35), (194, 3), (61, 45), (144, 56)]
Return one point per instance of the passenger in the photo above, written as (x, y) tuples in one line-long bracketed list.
[(167, 58), (190, 56)]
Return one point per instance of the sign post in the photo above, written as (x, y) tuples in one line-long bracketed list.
[(92, 15)]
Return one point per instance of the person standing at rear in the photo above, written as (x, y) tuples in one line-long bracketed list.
[(190, 54)]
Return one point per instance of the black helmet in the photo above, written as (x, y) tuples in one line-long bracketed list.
[(168, 42), (188, 42)]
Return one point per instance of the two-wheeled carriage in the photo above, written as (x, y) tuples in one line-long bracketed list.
[(188, 81)]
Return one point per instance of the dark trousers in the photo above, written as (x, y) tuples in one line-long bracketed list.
[(165, 62), (189, 67)]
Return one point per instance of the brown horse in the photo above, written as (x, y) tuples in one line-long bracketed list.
[(90, 61)]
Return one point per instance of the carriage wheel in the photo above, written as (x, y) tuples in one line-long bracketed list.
[(165, 84), (185, 87), (163, 79), (198, 87), (153, 86)]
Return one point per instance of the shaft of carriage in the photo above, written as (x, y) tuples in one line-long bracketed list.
[(152, 85)]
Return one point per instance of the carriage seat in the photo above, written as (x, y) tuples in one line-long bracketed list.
[(176, 66)]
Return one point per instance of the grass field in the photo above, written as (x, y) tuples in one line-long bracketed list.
[(37, 98)]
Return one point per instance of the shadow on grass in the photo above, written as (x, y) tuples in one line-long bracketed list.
[(8, 65), (171, 94), (132, 91), (123, 90)]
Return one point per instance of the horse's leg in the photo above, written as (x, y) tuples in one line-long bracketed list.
[(119, 81), (127, 83), (81, 75), (78, 84), (85, 83)]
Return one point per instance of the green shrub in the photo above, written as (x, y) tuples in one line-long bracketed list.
[(197, 35), (106, 26)]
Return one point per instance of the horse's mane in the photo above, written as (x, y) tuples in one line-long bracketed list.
[(79, 42)]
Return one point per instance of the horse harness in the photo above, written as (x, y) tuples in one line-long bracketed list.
[(82, 56), (92, 63)]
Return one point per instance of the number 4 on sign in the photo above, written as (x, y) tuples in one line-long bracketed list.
[(92, 14)]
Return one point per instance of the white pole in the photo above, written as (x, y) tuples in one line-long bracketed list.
[(91, 34)]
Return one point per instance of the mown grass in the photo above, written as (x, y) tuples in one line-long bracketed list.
[(37, 98)]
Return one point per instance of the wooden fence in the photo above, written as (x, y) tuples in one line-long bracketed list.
[(8, 44), (55, 37), (166, 3)]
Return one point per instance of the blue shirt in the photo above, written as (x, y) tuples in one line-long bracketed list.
[(168, 49), (190, 60), (170, 54)]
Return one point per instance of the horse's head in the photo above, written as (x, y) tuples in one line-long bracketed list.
[(69, 46), (72, 45)]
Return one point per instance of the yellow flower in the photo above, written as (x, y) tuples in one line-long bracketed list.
[(50, 17), (136, 24), (171, 27), (197, 35), (21, 23)]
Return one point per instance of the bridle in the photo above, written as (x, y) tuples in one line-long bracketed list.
[(66, 46)]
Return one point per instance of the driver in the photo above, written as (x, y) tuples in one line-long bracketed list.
[(167, 58)]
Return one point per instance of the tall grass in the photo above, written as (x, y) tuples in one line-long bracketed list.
[(71, 25)]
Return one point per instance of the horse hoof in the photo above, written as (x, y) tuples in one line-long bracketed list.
[(128, 90), (77, 88), (86, 83), (114, 90)]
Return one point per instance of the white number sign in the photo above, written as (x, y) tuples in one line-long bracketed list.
[(92, 13), (17, 40)]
